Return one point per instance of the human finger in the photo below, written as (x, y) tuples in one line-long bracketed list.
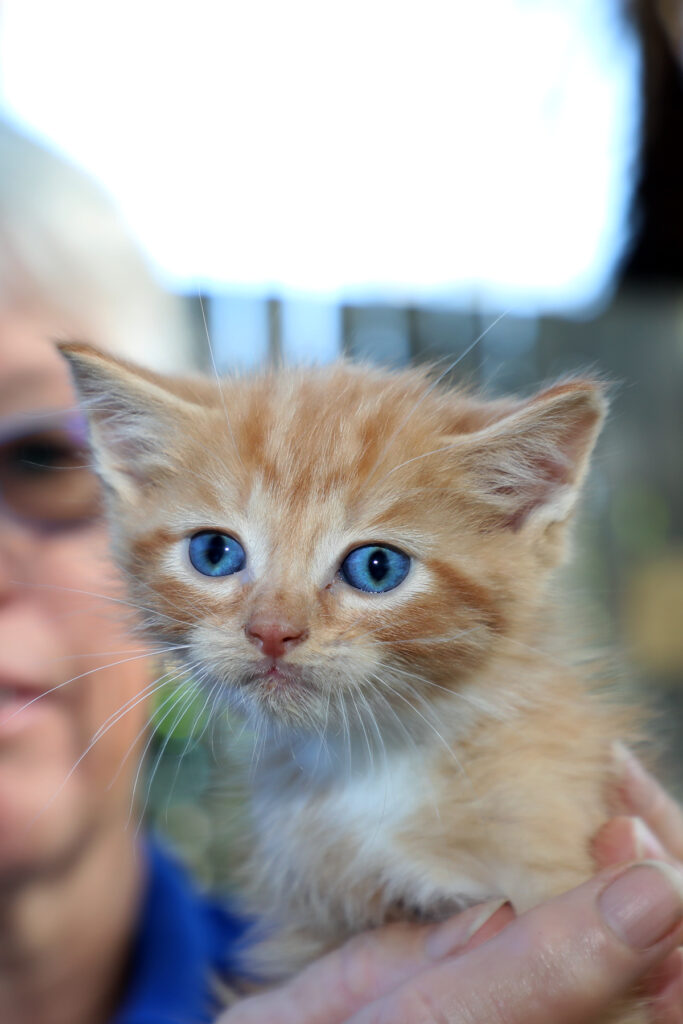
[(565, 961), (642, 795), (330, 990), (624, 839)]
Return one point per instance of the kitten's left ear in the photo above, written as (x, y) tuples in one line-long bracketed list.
[(525, 471), (135, 419)]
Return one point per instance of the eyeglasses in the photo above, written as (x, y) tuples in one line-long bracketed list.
[(46, 478)]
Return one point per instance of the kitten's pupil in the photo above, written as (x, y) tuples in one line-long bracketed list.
[(378, 565), (215, 548)]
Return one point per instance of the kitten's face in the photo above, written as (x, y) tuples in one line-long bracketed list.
[(332, 539)]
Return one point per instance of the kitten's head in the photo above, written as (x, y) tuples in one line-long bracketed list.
[(334, 538)]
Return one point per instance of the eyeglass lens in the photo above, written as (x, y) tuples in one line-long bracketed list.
[(46, 475)]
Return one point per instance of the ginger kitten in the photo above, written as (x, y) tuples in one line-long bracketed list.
[(362, 559)]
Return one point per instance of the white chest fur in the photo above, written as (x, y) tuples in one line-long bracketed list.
[(338, 848)]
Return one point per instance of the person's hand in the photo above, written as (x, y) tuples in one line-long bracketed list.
[(565, 961), (367, 967), (651, 826)]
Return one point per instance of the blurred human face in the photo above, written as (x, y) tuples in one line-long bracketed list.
[(52, 630)]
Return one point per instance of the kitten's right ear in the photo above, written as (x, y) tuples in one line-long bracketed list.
[(133, 417)]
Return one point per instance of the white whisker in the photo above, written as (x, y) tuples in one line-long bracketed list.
[(92, 671), (371, 757), (416, 711), (147, 691), (430, 639), (113, 719), (184, 697), (103, 597), (218, 379), (451, 366)]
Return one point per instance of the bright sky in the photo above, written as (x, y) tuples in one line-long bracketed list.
[(470, 152)]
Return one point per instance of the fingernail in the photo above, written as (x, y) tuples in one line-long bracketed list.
[(644, 904), (645, 843), (621, 754), (453, 934)]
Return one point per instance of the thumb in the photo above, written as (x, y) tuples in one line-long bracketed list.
[(565, 961), (331, 989)]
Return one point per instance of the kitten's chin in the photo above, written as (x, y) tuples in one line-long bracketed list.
[(281, 692)]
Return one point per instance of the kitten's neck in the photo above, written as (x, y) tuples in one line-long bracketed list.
[(345, 752), (359, 741)]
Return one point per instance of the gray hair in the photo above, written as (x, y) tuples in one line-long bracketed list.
[(66, 255)]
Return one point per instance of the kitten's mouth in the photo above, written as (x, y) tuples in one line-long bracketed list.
[(276, 674), (283, 692)]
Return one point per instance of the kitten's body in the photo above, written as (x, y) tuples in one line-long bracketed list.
[(418, 751), (420, 831)]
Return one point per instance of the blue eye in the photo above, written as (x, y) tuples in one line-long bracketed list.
[(216, 554), (375, 568)]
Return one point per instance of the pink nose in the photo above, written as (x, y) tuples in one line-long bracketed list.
[(274, 639)]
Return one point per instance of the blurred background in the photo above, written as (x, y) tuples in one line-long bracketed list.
[(500, 183)]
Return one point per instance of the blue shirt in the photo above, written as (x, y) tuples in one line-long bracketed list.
[(183, 939)]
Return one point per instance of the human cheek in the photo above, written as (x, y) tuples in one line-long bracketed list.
[(109, 663), (90, 599), (40, 737)]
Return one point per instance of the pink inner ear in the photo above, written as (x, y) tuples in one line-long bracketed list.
[(537, 452), (551, 474)]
